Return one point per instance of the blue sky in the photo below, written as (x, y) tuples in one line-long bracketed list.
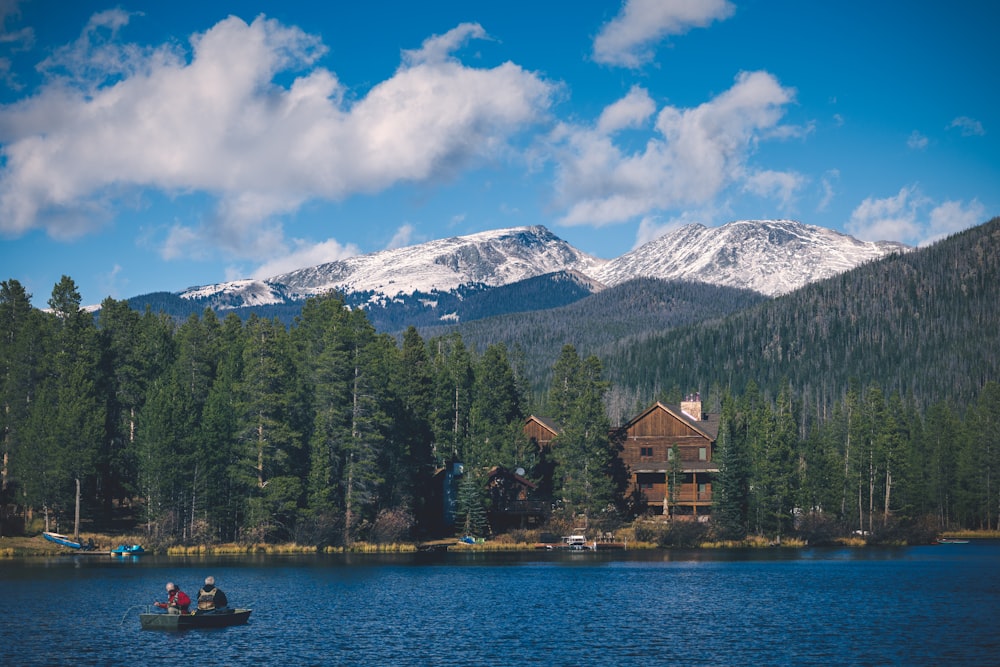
[(150, 146)]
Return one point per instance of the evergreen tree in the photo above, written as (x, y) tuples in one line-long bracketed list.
[(470, 510), (731, 486), (269, 444), (584, 455), (496, 412), (23, 340), (414, 468), (73, 410), (453, 382)]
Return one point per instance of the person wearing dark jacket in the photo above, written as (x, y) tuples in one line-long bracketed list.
[(177, 600), (211, 599)]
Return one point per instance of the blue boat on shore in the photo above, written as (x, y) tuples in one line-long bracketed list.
[(65, 541), (128, 550)]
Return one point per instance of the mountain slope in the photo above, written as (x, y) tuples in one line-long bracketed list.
[(449, 280), (602, 322), (769, 256), (492, 258), (924, 323)]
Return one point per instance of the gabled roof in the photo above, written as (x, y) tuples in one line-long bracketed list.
[(708, 427), (547, 422)]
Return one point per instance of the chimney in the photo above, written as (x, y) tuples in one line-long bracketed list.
[(691, 406)]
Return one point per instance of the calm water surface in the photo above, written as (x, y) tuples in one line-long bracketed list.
[(906, 606)]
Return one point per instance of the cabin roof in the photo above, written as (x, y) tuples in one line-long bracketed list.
[(547, 422), (708, 427)]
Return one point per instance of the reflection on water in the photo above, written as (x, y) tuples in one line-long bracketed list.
[(905, 606)]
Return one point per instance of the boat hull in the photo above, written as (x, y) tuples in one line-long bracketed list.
[(193, 621), (61, 540)]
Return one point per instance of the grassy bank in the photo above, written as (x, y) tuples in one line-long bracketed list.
[(38, 546)]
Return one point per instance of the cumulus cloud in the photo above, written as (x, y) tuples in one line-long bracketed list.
[(306, 254), (652, 227), (911, 217), (952, 217), (689, 157), (633, 110), (969, 127), (628, 39), (781, 186), (402, 238), (114, 118)]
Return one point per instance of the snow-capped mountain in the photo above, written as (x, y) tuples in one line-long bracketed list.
[(768, 256), (490, 259)]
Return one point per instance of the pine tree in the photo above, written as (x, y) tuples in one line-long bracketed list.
[(470, 511), (270, 444)]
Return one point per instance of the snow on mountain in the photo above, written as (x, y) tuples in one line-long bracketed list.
[(769, 256), (492, 258)]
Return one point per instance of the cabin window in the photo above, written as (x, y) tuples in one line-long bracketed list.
[(670, 454), (702, 491), (646, 452), (646, 485), (703, 453)]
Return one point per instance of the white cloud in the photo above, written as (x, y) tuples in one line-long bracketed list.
[(652, 228), (628, 39), (438, 49), (952, 217), (910, 217), (215, 121), (779, 185), (402, 238), (690, 157), (631, 111), (305, 255), (917, 141), (968, 126), (826, 183)]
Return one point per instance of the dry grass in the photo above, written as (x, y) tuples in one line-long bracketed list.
[(755, 542), (972, 534)]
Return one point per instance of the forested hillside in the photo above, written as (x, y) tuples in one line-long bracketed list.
[(924, 324), (866, 402), (325, 432), (601, 323)]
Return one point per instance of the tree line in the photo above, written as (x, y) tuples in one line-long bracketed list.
[(327, 432), (875, 465), (322, 432)]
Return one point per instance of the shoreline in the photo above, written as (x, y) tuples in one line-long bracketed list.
[(38, 547)]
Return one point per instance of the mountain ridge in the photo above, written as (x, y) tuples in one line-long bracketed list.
[(431, 280)]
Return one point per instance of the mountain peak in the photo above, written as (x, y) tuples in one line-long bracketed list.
[(768, 256)]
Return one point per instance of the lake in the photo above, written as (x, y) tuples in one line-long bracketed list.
[(927, 605)]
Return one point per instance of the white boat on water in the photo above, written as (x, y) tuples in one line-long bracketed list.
[(578, 543)]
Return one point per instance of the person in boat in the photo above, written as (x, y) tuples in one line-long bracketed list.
[(211, 600), (177, 600)]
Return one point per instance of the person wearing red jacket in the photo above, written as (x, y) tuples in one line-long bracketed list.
[(177, 600)]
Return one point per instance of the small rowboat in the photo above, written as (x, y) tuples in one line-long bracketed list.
[(951, 540), (196, 620)]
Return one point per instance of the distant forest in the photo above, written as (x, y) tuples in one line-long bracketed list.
[(862, 403)]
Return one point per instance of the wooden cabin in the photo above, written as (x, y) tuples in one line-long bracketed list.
[(648, 442), (512, 501), (541, 431)]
